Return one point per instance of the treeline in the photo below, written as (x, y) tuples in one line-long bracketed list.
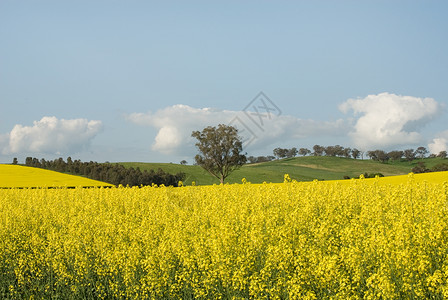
[(115, 174), (340, 151), (408, 154), (318, 150)]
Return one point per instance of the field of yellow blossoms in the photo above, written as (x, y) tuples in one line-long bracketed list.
[(21, 176), (354, 239)]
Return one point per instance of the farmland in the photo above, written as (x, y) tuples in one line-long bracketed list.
[(365, 238), (14, 176), (299, 168)]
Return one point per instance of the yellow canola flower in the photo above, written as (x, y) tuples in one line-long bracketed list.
[(15, 176), (370, 238)]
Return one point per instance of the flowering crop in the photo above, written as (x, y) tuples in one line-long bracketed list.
[(341, 240), (23, 177)]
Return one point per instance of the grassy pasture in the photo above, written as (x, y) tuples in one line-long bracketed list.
[(299, 168)]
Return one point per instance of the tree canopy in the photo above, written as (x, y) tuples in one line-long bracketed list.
[(220, 150)]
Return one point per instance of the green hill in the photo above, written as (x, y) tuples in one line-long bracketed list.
[(300, 168)]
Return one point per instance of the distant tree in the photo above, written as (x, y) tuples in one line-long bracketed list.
[(220, 150), (339, 150), (356, 153), (304, 151), (382, 156), (262, 158), (280, 152), (330, 151), (421, 152), (336, 150), (396, 154), (318, 150), (292, 152), (36, 163), (409, 154), (440, 167), (15, 161), (346, 152), (442, 154), (183, 162), (265, 158), (378, 155), (252, 159), (43, 163), (372, 155), (420, 168), (61, 165)]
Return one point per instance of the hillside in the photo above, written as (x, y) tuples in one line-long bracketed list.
[(24, 177), (300, 168)]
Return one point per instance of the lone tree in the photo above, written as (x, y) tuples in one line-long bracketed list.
[(220, 150)]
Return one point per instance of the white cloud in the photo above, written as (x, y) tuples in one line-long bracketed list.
[(440, 143), (51, 135), (389, 120), (168, 138), (175, 124)]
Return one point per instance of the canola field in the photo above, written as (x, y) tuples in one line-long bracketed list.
[(354, 239), (16, 176)]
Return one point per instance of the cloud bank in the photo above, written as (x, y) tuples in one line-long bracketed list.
[(50, 135), (175, 124), (389, 120)]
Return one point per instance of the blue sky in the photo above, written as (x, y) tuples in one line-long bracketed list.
[(129, 80)]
